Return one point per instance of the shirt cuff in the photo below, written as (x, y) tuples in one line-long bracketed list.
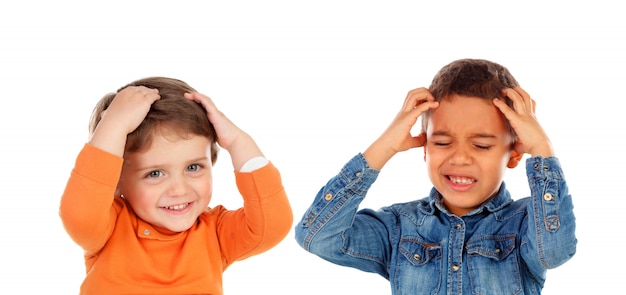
[(254, 164)]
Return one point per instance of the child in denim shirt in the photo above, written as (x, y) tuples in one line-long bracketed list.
[(468, 236)]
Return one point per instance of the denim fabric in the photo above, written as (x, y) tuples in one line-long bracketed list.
[(502, 247)]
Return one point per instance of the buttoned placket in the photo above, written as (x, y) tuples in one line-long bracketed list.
[(455, 255)]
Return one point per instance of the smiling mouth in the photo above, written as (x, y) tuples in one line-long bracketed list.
[(461, 180), (177, 207)]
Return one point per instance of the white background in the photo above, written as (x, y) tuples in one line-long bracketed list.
[(314, 82)]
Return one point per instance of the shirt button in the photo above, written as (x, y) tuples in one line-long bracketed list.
[(358, 174), (455, 267), (458, 226), (548, 197), (417, 256), (328, 197), (146, 232)]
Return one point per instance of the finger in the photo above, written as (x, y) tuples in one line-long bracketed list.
[(521, 91), (154, 95), (194, 96), (142, 90), (423, 107), (504, 108), (516, 98), (150, 94), (417, 97), (525, 96), (202, 99)]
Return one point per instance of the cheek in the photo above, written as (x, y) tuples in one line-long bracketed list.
[(141, 196), (433, 162), (204, 188), (505, 157), (434, 156), (497, 164)]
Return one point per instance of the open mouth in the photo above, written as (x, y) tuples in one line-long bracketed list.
[(461, 180), (177, 207)]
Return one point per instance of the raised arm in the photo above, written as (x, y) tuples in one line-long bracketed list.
[(397, 137), (126, 112), (86, 208), (238, 143), (266, 216), (551, 238)]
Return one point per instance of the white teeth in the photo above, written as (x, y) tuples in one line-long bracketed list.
[(462, 180), (177, 207)]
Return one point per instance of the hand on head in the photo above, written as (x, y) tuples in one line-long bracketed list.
[(130, 106), (238, 143), (397, 137), (227, 131), (398, 134), (532, 139), (125, 114)]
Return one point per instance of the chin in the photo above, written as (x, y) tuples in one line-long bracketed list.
[(176, 228), (181, 228)]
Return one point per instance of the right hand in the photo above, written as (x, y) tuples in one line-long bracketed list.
[(397, 137), (126, 112), (130, 106)]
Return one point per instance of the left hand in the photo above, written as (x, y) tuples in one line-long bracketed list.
[(531, 138), (227, 131), (238, 143)]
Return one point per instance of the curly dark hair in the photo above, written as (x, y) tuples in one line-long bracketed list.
[(471, 77)]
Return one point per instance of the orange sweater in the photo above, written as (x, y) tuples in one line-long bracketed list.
[(125, 255)]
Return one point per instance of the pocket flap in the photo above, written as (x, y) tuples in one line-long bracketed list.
[(494, 247), (418, 251)]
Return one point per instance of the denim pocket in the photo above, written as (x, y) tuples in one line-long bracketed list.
[(419, 266), (493, 265)]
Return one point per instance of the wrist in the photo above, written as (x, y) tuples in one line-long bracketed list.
[(377, 155)]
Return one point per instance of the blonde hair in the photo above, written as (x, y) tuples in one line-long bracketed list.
[(172, 110)]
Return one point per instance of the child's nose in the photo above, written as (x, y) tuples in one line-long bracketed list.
[(177, 187), (461, 156)]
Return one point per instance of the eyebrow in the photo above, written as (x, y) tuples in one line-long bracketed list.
[(473, 135), (189, 162)]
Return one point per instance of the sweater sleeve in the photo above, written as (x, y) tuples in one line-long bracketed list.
[(264, 220), (87, 207)]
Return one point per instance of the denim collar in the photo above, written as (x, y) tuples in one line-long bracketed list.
[(497, 202)]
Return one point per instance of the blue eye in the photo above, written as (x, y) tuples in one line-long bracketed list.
[(155, 174), (194, 167)]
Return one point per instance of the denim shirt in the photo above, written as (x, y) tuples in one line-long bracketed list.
[(502, 247)]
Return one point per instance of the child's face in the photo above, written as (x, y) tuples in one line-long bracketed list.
[(467, 151), (170, 184)]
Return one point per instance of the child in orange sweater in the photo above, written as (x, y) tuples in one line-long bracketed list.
[(137, 198)]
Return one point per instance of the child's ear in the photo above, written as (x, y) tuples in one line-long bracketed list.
[(118, 190), (514, 159)]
